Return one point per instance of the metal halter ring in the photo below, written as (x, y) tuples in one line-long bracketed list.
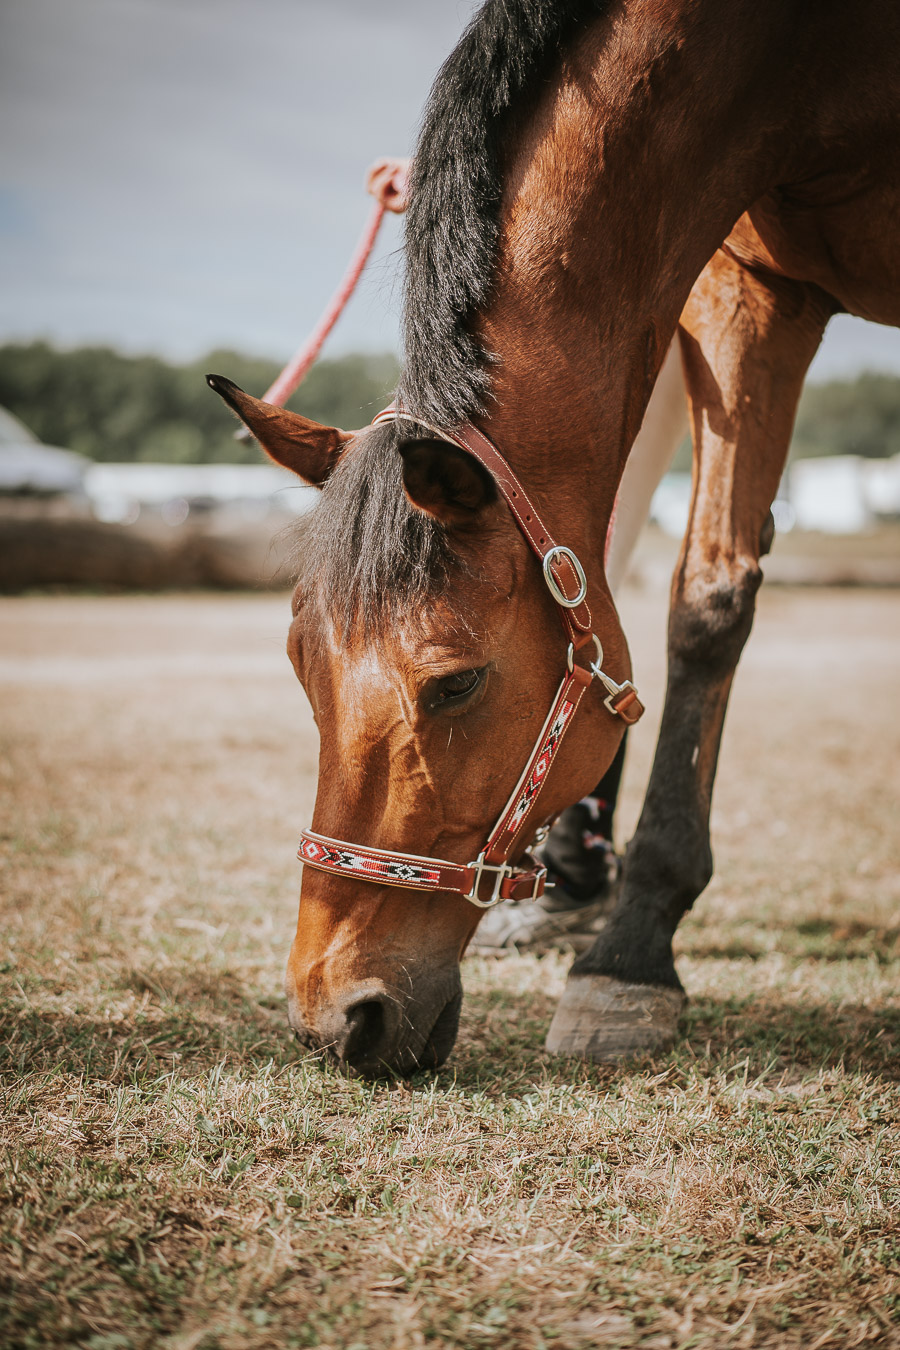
[(559, 595), (595, 664)]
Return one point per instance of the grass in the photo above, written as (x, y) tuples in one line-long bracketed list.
[(175, 1173)]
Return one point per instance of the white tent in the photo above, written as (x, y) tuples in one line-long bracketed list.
[(27, 466), (119, 491)]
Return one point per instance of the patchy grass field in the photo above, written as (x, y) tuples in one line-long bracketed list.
[(176, 1174)]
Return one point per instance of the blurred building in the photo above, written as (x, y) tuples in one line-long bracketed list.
[(838, 494), (29, 468), (120, 493), (67, 521)]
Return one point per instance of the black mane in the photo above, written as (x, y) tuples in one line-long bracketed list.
[(376, 559), (452, 226)]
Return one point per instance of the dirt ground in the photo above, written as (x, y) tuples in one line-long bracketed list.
[(158, 759)]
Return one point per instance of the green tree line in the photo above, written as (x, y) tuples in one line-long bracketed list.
[(115, 407), (849, 417)]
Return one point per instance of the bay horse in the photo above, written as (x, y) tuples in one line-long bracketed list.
[(591, 176)]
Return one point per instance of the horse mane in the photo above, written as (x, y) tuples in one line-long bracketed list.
[(452, 225), (376, 559)]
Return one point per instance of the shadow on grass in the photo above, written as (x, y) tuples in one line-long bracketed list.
[(194, 1021), (502, 1037), (862, 1039), (197, 1020), (818, 939)]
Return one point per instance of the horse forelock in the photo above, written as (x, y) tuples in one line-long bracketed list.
[(370, 560), (452, 225)]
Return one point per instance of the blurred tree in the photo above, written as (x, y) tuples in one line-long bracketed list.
[(115, 407), (849, 417)]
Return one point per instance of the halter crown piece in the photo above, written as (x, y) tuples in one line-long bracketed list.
[(491, 877)]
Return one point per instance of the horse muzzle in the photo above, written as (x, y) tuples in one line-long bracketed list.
[(374, 1031)]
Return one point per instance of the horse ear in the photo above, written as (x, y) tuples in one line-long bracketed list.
[(309, 450), (445, 482)]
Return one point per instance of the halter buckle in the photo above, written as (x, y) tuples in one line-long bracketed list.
[(502, 871), (613, 690), (614, 693), (559, 595)]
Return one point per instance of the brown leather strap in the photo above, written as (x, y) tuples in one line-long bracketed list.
[(468, 437), (528, 518), (627, 705)]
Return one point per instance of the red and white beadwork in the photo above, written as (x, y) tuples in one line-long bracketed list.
[(541, 768), (396, 869)]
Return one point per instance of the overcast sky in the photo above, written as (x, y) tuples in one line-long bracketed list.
[(182, 174)]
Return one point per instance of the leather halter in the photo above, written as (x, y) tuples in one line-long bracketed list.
[(491, 871)]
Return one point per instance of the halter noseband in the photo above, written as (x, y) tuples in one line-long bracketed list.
[(491, 871)]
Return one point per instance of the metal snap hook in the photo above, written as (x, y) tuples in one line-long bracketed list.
[(613, 690)]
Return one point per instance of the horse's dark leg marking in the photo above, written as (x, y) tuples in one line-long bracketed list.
[(746, 345)]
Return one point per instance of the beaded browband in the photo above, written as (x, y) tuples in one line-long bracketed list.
[(491, 877)]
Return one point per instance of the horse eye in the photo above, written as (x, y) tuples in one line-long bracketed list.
[(458, 686)]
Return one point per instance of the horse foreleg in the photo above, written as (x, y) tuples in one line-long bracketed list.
[(746, 345)]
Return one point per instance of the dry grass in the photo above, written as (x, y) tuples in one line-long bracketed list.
[(174, 1174)]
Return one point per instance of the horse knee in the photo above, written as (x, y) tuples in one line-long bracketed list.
[(712, 612), (670, 858)]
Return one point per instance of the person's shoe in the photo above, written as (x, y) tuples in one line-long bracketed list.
[(558, 919)]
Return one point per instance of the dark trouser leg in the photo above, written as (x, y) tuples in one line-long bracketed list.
[(579, 849), (746, 343), (607, 791)]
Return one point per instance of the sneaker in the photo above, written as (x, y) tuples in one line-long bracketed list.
[(536, 927), (583, 879)]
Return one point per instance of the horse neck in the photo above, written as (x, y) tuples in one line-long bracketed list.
[(619, 188)]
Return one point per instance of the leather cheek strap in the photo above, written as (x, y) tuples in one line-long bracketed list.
[(531, 524), (468, 437)]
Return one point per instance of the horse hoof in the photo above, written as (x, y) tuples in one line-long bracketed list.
[(605, 1020)]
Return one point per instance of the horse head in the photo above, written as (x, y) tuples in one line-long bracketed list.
[(430, 650)]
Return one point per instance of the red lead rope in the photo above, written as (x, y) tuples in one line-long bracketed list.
[(491, 872), (279, 392)]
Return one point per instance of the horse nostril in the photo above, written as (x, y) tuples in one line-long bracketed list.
[(365, 1034)]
